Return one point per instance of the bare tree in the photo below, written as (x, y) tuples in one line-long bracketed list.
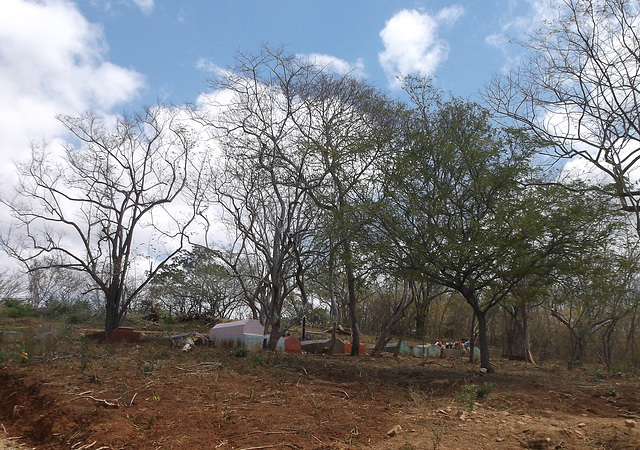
[(12, 284), (579, 91), (119, 195), (596, 294), (49, 284), (262, 188)]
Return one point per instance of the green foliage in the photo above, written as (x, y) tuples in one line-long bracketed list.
[(470, 393), (11, 354), (73, 313), (80, 312), (15, 309), (241, 352), (484, 390), (467, 397), (168, 319), (4, 355), (193, 281), (257, 359), (597, 375), (148, 367)]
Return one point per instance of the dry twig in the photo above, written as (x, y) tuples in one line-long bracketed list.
[(104, 402)]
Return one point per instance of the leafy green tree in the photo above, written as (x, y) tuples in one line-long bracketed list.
[(460, 208), (195, 283)]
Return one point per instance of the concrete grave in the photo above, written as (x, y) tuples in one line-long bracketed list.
[(322, 346), (240, 333), (431, 351)]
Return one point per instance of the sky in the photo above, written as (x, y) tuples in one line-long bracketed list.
[(117, 56)]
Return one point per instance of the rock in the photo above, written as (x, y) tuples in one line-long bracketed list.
[(582, 424), (499, 439), (630, 423), (394, 431)]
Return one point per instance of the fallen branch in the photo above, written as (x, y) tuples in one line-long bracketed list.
[(257, 448), (346, 396), (83, 447), (104, 402)]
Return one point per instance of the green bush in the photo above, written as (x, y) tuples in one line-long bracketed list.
[(169, 319), (467, 397), (241, 352), (597, 375), (470, 393), (484, 390), (15, 309)]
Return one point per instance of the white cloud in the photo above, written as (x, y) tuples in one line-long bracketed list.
[(146, 6), (327, 61), (411, 42), (516, 27), (336, 64), (53, 62), (206, 65)]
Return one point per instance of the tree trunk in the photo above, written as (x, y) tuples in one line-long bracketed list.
[(334, 303), (484, 340), (606, 344), (578, 348), (399, 347), (472, 338), (422, 301), (351, 287), (274, 336), (526, 344), (397, 315), (631, 348), (471, 298), (112, 319), (512, 347)]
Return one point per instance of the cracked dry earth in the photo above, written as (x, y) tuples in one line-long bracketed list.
[(153, 396)]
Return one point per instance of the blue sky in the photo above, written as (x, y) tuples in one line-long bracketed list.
[(166, 40), (115, 56)]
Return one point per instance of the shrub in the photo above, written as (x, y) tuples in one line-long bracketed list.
[(484, 390), (168, 319), (240, 352), (467, 397), (15, 309), (470, 393)]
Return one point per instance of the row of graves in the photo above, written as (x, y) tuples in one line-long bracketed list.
[(250, 335)]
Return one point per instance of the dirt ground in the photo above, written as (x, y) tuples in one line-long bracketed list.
[(86, 395)]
